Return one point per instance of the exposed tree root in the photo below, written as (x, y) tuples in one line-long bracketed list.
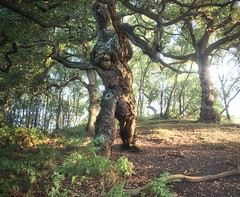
[(192, 179), (195, 179)]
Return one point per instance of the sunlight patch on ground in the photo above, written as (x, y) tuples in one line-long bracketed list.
[(192, 133)]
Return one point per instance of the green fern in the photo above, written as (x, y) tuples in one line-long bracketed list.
[(89, 165), (160, 186), (14, 173), (124, 167), (117, 191)]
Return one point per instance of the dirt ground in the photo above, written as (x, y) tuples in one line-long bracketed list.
[(187, 148)]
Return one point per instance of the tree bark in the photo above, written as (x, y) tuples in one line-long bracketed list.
[(94, 97), (207, 112), (110, 57)]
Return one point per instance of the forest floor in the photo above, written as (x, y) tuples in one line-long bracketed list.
[(66, 164), (185, 147)]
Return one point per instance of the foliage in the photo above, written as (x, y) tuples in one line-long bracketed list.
[(72, 132), (56, 187), (124, 167), (155, 90), (117, 191), (160, 186), (17, 174), (31, 96), (20, 137), (88, 163), (52, 163)]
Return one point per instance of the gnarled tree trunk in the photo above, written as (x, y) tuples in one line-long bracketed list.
[(110, 57)]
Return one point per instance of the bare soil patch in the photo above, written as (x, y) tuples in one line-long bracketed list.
[(188, 148)]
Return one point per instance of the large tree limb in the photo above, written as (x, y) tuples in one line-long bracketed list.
[(180, 57), (66, 83), (220, 42), (67, 63), (195, 179), (145, 12), (153, 54), (195, 5), (55, 55), (33, 18)]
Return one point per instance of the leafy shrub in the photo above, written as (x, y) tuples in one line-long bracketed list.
[(124, 167), (20, 136), (71, 137), (72, 132)]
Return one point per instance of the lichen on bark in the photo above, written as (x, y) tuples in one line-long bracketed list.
[(110, 57)]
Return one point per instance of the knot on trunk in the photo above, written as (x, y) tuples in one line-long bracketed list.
[(108, 96)]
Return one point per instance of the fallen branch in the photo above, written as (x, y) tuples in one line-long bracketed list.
[(192, 179), (195, 179)]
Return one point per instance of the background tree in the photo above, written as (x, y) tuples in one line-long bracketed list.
[(226, 64), (202, 27), (48, 22)]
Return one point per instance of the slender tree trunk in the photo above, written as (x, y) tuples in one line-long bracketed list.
[(94, 98), (59, 110), (167, 111), (23, 113), (141, 90), (161, 103), (68, 111), (37, 110), (226, 106), (110, 56), (46, 111), (207, 111), (140, 102), (29, 114), (181, 98), (76, 111)]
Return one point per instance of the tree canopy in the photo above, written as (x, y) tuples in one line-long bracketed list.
[(174, 34)]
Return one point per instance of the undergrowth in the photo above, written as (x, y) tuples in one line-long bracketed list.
[(34, 164)]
